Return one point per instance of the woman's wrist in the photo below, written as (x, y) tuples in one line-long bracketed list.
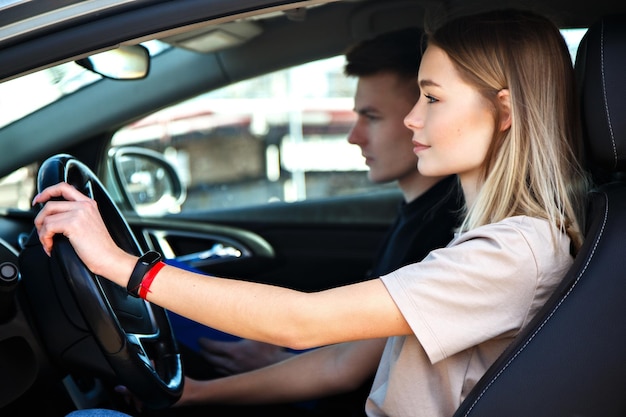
[(118, 267)]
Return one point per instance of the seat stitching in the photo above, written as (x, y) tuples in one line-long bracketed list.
[(604, 91), (495, 377)]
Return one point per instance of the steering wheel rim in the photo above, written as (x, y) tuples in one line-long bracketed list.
[(134, 335)]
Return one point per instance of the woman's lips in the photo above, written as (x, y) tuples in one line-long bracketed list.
[(418, 147)]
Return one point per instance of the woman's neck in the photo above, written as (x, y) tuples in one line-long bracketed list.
[(470, 186)]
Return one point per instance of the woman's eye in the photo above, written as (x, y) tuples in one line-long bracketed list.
[(430, 99)]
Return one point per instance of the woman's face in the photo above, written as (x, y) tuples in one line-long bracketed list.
[(452, 123)]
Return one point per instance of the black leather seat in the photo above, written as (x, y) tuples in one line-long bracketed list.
[(571, 360)]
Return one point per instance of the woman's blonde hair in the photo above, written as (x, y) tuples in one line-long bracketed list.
[(534, 168)]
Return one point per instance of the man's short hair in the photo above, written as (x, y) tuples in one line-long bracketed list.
[(398, 51)]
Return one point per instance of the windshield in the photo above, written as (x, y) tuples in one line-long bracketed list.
[(25, 95)]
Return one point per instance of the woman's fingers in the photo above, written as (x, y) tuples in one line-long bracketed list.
[(63, 190), (69, 218)]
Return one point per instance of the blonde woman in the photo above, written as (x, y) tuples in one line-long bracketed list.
[(497, 108)]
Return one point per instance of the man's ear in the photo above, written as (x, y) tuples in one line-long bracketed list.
[(504, 101)]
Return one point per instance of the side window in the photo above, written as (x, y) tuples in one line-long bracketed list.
[(279, 137), (572, 38), (18, 188)]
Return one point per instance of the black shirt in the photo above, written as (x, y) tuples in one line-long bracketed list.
[(424, 224)]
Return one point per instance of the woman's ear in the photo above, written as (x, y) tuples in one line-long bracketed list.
[(504, 101)]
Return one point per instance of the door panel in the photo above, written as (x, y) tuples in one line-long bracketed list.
[(282, 245)]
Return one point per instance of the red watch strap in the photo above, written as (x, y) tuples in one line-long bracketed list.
[(144, 287)]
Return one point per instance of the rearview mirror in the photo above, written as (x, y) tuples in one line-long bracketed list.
[(128, 62)]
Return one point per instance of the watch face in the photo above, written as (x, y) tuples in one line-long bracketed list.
[(150, 257)]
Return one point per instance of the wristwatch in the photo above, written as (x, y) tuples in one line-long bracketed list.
[(144, 264)]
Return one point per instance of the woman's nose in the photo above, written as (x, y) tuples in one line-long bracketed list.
[(414, 120)]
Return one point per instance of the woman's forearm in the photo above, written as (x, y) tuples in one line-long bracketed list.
[(278, 315)]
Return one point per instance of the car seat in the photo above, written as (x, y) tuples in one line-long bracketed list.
[(571, 360)]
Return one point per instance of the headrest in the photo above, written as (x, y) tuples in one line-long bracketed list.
[(601, 72)]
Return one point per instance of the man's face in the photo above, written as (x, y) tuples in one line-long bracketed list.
[(381, 103)]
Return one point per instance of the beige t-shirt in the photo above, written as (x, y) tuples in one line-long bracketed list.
[(464, 303)]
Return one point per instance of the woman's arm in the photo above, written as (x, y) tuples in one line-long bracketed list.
[(279, 315), (250, 310)]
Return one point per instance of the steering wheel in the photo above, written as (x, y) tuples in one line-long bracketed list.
[(133, 335)]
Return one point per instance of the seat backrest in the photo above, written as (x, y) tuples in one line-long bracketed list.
[(571, 360)]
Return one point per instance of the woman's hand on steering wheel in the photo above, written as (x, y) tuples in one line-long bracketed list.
[(69, 212)]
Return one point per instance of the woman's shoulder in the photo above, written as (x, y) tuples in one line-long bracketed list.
[(538, 235), (524, 225), (521, 241)]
